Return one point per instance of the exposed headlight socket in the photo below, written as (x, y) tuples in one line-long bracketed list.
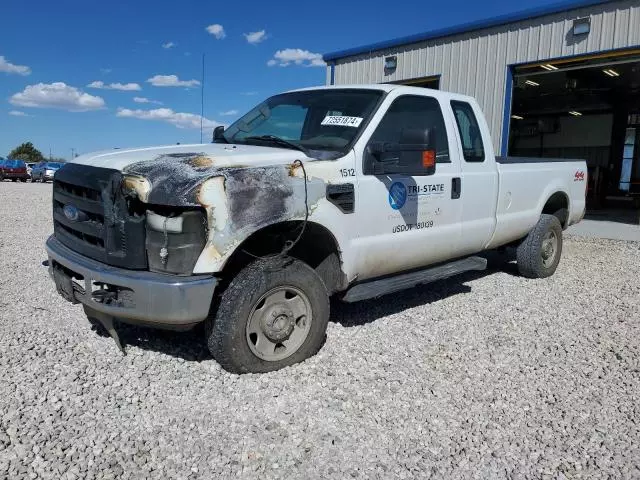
[(174, 241)]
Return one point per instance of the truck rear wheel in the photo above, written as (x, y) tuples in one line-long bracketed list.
[(539, 253), (273, 314)]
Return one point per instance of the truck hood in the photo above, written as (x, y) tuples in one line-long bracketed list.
[(219, 154)]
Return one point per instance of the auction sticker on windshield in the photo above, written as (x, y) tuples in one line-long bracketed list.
[(342, 121)]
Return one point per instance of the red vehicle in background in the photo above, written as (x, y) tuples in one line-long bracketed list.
[(13, 169)]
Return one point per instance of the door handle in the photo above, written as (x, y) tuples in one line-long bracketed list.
[(456, 187)]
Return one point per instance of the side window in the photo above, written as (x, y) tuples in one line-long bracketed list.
[(472, 147), (411, 112)]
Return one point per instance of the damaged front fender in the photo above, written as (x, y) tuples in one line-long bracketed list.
[(238, 200)]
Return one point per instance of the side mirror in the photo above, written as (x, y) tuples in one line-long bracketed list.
[(218, 134), (414, 154)]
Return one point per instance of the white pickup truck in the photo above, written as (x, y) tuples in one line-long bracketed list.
[(353, 191)]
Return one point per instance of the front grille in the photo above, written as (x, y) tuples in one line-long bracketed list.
[(104, 228), (79, 191)]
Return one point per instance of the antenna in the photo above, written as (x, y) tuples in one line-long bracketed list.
[(202, 99)]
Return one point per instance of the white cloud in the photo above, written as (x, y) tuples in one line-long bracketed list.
[(180, 120), (171, 81), (145, 100), (249, 94), (229, 113), (8, 67), (125, 87), (256, 37), (106, 70), (217, 31), (296, 56), (56, 95), (18, 113), (168, 45)]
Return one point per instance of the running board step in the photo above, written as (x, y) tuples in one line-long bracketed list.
[(377, 288)]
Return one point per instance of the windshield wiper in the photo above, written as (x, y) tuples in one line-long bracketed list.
[(278, 141)]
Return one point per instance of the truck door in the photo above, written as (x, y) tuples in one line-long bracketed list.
[(479, 187), (407, 220)]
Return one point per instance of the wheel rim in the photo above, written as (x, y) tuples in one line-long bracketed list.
[(549, 248), (279, 323)]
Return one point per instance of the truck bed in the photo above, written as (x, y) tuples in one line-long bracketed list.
[(525, 186)]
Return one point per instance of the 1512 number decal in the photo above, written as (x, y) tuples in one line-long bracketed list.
[(348, 172)]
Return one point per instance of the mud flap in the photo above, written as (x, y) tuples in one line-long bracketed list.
[(107, 322)]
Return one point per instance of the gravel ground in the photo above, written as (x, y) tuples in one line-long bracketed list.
[(486, 376)]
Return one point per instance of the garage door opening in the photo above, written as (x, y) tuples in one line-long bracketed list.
[(586, 108), (424, 82)]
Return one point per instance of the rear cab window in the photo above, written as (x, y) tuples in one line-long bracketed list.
[(469, 130)]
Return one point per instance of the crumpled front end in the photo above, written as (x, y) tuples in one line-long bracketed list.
[(237, 201)]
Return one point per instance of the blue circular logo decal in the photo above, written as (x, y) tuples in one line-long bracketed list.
[(397, 195), (70, 212)]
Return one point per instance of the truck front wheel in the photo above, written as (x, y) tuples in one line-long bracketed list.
[(273, 314), (539, 253)]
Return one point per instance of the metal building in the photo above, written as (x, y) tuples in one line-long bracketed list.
[(562, 80)]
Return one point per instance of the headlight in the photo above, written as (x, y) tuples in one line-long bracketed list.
[(175, 240)]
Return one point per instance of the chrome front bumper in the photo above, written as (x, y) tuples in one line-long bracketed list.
[(140, 296)]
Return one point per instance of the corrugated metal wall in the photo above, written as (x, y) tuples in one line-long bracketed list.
[(475, 63)]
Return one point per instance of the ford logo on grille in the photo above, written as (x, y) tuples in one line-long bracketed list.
[(71, 213)]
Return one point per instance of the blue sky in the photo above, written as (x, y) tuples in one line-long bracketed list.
[(73, 73)]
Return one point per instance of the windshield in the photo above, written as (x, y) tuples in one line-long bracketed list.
[(54, 165), (324, 120), (15, 163)]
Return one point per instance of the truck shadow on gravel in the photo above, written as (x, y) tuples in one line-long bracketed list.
[(190, 346), (368, 311)]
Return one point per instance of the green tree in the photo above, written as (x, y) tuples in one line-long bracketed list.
[(26, 152)]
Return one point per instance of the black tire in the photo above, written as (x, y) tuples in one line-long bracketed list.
[(226, 329), (533, 256), (14, 179)]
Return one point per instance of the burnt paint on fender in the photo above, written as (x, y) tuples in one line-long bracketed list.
[(254, 197)]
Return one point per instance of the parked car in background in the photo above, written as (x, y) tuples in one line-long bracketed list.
[(44, 171), (13, 169)]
